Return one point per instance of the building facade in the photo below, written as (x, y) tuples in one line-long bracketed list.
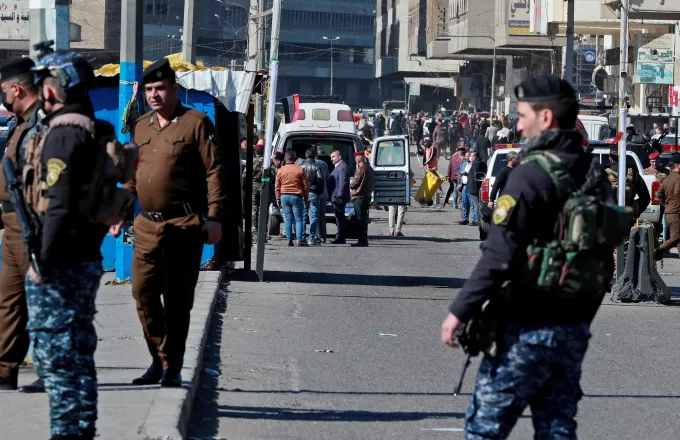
[(402, 27)]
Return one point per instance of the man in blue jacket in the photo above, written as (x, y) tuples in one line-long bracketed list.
[(338, 189)]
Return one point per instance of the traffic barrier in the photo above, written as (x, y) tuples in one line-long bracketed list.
[(640, 281)]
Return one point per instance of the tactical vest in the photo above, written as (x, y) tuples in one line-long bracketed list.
[(613, 177), (101, 201), (577, 262)]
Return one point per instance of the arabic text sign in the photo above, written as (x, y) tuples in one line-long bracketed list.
[(658, 73), (14, 18), (646, 55), (519, 16)]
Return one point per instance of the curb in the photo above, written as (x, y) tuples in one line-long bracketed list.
[(170, 410)]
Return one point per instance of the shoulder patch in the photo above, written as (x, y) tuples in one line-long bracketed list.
[(54, 168), (504, 207)]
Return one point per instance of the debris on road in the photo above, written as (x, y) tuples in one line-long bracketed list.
[(324, 351)]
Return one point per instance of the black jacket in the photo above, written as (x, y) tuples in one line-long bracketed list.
[(482, 147), (314, 176), (532, 216), (500, 182), (473, 185), (68, 237)]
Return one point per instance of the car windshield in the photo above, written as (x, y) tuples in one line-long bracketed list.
[(345, 145), (668, 140)]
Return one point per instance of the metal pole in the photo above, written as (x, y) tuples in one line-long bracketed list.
[(188, 33), (36, 28), (264, 197), (248, 193), (331, 67), (569, 57), (493, 79), (623, 119), (131, 56), (261, 61)]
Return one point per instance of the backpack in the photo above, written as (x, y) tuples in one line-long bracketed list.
[(100, 200), (613, 177), (577, 263)]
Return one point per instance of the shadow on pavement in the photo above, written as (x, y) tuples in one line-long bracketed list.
[(406, 393), (365, 280), (414, 238), (205, 415), (258, 412)]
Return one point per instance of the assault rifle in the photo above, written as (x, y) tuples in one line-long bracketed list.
[(28, 227), (476, 336)]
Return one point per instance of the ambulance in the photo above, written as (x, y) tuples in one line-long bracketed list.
[(328, 125)]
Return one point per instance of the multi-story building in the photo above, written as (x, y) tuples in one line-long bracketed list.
[(400, 47), (313, 35)]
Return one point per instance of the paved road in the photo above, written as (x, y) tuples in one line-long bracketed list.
[(379, 310)]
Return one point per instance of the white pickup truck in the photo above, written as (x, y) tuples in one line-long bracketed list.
[(498, 160)]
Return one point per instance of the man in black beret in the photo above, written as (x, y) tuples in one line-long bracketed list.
[(20, 96), (543, 333), (179, 164), (159, 71)]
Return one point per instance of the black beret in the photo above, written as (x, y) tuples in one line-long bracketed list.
[(16, 67), (158, 71), (675, 158), (544, 88)]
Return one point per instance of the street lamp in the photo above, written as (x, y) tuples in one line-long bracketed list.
[(331, 40), (493, 68)]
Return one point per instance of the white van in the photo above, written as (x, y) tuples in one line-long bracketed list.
[(328, 127), (391, 161), (593, 125)]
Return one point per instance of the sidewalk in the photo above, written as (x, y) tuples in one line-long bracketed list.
[(126, 412)]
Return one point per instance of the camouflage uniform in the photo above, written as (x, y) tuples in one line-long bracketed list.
[(258, 162), (540, 367), (63, 341)]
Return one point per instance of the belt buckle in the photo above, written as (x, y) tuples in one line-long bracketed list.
[(156, 216), (187, 209)]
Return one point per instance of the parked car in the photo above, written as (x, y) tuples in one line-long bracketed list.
[(499, 160)]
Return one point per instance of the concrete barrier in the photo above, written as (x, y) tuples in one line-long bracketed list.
[(640, 281)]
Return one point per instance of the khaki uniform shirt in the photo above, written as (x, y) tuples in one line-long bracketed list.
[(178, 163), (669, 193), (11, 149)]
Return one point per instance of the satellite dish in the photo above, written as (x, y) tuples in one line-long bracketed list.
[(599, 77)]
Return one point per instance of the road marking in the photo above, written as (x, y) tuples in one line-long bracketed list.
[(386, 334), (444, 429)]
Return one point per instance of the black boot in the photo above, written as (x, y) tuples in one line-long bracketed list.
[(87, 434), (36, 387), (151, 377), (9, 383), (171, 379)]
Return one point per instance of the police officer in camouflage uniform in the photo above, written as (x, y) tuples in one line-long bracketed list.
[(542, 338), (61, 297)]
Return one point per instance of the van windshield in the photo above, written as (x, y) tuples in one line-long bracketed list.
[(301, 143)]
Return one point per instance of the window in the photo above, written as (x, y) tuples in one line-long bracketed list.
[(390, 153), (321, 114)]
